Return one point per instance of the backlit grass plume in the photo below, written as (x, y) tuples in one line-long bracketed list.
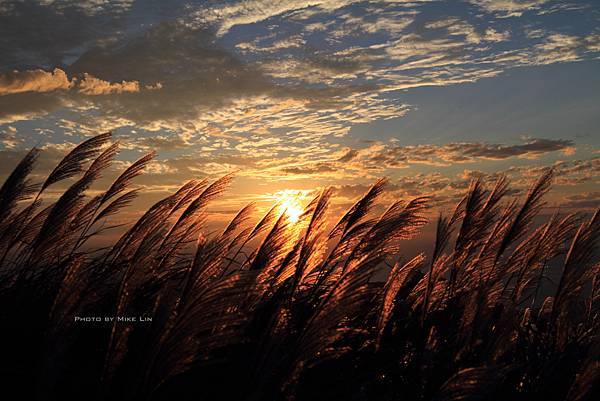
[(504, 308)]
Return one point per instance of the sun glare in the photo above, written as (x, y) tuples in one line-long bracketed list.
[(289, 202)]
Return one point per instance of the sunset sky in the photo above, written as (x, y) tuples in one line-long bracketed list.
[(300, 95)]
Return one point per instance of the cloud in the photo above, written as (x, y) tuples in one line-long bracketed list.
[(229, 15), (492, 35), (217, 91), (448, 188), (533, 148), (316, 168), (348, 156), (28, 106), (258, 45), (379, 158), (9, 138), (33, 81), (30, 94), (350, 191), (558, 47), (210, 77), (394, 156), (90, 85), (456, 27), (509, 8), (431, 184), (162, 142), (45, 34), (41, 81), (569, 173), (88, 7), (585, 200)]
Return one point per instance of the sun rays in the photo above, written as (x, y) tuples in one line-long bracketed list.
[(290, 202)]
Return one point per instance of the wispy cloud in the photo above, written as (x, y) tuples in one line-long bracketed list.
[(586, 200), (397, 156), (510, 8)]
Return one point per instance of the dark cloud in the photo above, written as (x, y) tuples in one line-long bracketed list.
[(192, 71), (586, 200), (568, 172), (163, 142), (48, 34), (184, 73), (464, 152), (34, 35), (533, 147), (416, 185), (348, 156), (317, 168), (28, 105), (578, 166), (334, 64), (183, 66), (350, 190)]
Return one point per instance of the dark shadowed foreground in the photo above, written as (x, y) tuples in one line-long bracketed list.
[(298, 316)]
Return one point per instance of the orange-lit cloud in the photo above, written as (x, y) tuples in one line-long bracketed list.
[(90, 85), (33, 81)]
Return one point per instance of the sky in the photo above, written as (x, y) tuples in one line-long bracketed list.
[(299, 95)]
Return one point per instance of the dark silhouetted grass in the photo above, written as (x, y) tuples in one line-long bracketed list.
[(502, 310)]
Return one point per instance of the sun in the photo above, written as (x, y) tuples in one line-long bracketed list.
[(289, 203)]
